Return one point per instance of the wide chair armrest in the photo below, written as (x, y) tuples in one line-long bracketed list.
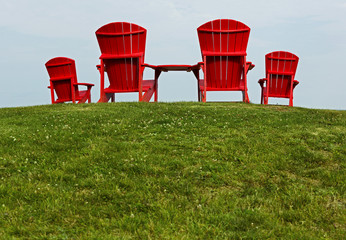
[(250, 65), (48, 87), (99, 68), (199, 65), (262, 81), (149, 66)]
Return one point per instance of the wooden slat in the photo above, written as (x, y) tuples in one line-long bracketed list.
[(121, 56), (230, 54), (280, 72), (231, 61), (283, 58), (58, 64), (120, 34), (224, 31), (67, 77)]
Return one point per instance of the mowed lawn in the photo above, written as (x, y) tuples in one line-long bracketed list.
[(172, 171)]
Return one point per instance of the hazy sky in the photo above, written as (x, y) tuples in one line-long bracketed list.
[(34, 31)]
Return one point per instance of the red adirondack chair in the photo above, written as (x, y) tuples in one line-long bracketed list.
[(63, 80), (280, 71), (122, 48), (223, 45)]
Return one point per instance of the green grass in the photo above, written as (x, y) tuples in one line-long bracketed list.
[(172, 171)]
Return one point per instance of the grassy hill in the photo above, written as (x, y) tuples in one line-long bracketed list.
[(172, 171)]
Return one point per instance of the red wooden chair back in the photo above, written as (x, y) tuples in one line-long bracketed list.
[(62, 73), (122, 46), (280, 71), (223, 44)]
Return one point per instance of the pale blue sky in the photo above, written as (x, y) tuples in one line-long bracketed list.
[(33, 31)]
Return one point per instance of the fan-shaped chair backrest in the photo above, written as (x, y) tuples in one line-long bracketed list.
[(62, 73), (122, 48), (224, 42), (281, 68)]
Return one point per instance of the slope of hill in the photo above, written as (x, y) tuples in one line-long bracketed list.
[(172, 170)]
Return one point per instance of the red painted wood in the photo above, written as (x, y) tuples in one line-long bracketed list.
[(223, 45), (281, 68), (122, 48), (177, 67), (63, 81)]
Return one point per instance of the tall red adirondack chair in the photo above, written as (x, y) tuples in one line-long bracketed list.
[(281, 68), (122, 48), (223, 45), (63, 81)]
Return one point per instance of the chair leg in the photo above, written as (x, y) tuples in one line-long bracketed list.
[(245, 97), (291, 102), (156, 84), (196, 73), (89, 94), (262, 96), (110, 96), (156, 93), (105, 97), (199, 94)]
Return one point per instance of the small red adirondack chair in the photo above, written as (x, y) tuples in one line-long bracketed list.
[(63, 80), (122, 48), (223, 45), (280, 71)]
